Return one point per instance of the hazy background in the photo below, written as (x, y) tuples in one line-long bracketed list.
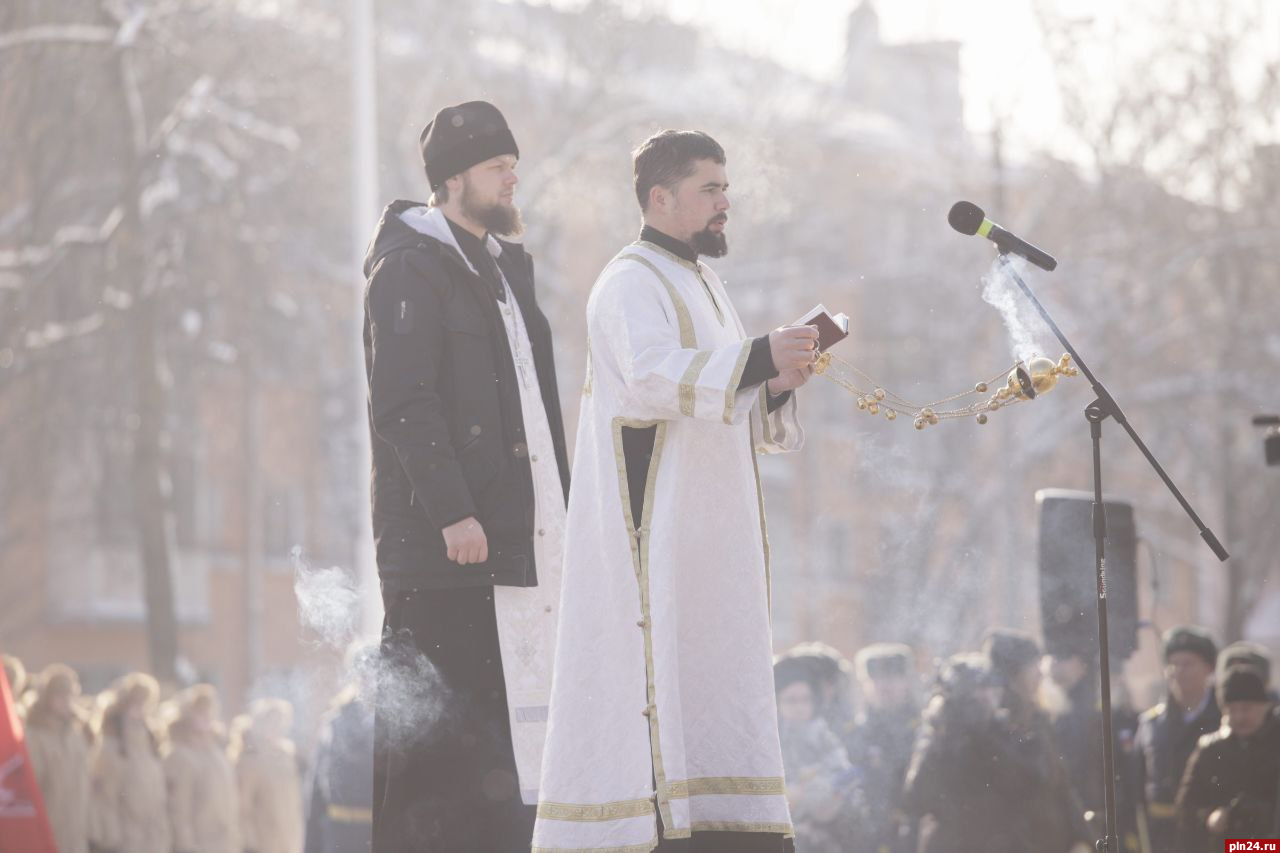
[(186, 186)]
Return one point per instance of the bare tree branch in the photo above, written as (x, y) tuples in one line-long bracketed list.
[(55, 333), (58, 34), (69, 235)]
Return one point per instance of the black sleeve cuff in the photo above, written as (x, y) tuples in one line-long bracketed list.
[(759, 367), (775, 403)]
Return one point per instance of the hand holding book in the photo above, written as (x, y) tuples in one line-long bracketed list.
[(832, 328)]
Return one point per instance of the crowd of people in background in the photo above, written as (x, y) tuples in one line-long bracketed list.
[(124, 772), (1001, 753), (1004, 751)]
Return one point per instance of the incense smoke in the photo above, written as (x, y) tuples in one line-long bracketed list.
[(1027, 331)]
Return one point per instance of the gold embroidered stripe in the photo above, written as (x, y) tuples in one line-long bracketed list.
[(764, 533), (603, 811), (689, 382), (671, 256), (765, 432), (349, 814), (784, 829), (630, 848), (714, 304), (731, 392), (780, 437), (688, 340), (756, 785), (639, 539)]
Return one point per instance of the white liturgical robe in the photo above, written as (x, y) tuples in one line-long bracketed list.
[(662, 701)]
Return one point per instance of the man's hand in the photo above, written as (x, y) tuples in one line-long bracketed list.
[(794, 350), (466, 542), (789, 380), (793, 347)]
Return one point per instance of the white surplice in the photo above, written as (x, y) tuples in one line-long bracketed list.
[(663, 700), (526, 616)]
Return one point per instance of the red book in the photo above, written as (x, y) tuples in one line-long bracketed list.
[(24, 826), (832, 328)]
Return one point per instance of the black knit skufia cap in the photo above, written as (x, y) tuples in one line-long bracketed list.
[(459, 137)]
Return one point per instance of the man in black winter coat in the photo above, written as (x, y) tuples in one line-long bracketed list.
[(470, 480), (985, 776), (880, 745), (1168, 733), (1229, 788), (339, 812)]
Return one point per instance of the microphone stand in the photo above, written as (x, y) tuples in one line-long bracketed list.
[(1103, 407)]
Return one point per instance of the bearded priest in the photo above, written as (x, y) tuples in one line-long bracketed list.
[(663, 731)]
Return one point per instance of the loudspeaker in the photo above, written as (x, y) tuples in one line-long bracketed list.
[(1068, 580)]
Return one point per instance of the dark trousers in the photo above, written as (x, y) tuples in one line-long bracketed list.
[(444, 771)]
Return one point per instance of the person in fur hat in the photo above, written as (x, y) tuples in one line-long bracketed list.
[(59, 743), (17, 675), (129, 813), (203, 815), (820, 792), (268, 778), (1229, 787)]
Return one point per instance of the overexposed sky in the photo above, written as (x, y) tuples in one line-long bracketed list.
[(1006, 70), (1004, 64)]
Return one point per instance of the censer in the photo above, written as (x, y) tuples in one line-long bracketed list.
[(1021, 382)]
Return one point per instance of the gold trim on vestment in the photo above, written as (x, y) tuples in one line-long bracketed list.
[(731, 391), (715, 303), (766, 426), (646, 847), (765, 432), (786, 830), (671, 256), (695, 266), (689, 382), (586, 385), (348, 814), (604, 811), (688, 340), (707, 785), (764, 527), (639, 540)]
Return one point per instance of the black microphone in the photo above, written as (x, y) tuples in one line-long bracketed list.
[(967, 218)]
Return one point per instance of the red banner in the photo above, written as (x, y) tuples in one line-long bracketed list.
[(24, 827)]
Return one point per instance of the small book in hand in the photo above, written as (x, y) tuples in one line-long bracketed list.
[(832, 328)]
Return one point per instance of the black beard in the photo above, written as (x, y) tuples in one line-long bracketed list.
[(500, 219), (710, 243)]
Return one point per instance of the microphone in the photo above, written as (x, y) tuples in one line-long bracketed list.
[(967, 218)]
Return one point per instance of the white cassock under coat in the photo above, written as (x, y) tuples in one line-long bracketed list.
[(664, 656)]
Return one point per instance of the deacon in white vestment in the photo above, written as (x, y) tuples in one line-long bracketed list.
[(663, 730)]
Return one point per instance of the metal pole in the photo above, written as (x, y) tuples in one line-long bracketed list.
[(364, 215)]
